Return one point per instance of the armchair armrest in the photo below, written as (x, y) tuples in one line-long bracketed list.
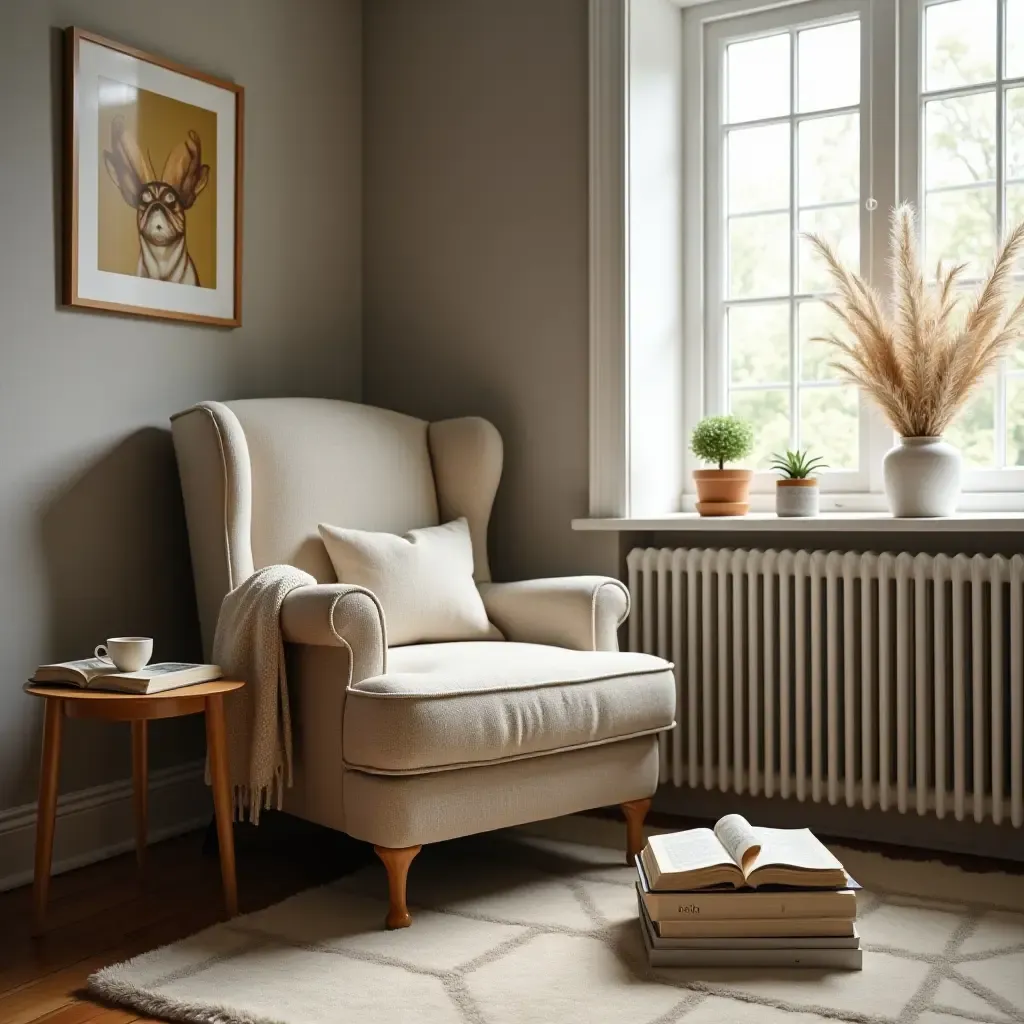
[(582, 613), (338, 615)]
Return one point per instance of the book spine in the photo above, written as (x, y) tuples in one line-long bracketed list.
[(837, 959), (790, 942), (787, 928), (749, 906)]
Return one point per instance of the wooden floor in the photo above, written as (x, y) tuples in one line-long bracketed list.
[(105, 913)]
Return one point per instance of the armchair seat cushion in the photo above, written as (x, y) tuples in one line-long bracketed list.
[(453, 705)]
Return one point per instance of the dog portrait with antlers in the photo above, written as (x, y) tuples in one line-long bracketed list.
[(155, 186), (161, 203)]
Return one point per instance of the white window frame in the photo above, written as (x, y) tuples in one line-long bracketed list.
[(611, 351)]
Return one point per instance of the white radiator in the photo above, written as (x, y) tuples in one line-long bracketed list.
[(890, 681)]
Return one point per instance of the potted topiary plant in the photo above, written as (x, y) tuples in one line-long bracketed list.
[(796, 493), (718, 440)]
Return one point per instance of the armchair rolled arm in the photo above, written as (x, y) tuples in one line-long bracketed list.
[(338, 615), (582, 613)]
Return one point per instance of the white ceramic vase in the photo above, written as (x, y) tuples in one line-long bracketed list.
[(922, 478), (796, 499)]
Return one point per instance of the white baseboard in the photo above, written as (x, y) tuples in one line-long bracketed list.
[(96, 823)]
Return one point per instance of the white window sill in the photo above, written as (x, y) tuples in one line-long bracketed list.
[(827, 522)]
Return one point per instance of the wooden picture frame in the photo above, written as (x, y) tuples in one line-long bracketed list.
[(139, 240)]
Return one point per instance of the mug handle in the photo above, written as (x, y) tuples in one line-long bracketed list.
[(101, 652)]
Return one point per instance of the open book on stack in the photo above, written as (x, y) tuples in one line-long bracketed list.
[(739, 895)]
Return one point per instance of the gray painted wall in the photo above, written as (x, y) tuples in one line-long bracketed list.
[(475, 259), (92, 535)]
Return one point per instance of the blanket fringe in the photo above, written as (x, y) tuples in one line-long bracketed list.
[(247, 800)]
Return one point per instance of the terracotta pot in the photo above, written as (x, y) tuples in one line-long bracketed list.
[(723, 492), (796, 498)]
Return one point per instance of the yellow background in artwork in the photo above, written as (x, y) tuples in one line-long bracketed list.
[(159, 123)]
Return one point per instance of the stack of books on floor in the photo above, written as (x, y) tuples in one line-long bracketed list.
[(744, 896)]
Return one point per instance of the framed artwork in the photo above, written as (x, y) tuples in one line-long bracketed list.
[(153, 215)]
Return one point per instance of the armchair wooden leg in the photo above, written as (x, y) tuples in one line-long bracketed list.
[(397, 862), (635, 812)]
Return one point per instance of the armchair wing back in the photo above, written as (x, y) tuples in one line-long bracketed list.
[(258, 475)]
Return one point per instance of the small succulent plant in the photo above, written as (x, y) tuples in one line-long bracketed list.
[(722, 439), (796, 465)]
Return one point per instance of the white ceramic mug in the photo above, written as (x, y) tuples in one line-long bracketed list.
[(128, 653)]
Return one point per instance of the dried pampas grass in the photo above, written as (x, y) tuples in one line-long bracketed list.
[(919, 361)]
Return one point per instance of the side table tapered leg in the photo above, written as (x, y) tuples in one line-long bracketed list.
[(140, 788), (217, 747), (46, 811)]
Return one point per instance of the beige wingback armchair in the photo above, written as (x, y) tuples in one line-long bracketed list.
[(403, 746)]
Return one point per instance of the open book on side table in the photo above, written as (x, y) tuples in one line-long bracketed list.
[(735, 855), (100, 674)]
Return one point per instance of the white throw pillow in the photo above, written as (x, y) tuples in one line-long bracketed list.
[(424, 580)]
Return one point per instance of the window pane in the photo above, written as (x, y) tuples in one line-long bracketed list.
[(757, 77), (840, 227), (960, 43), (961, 140), (828, 67), (759, 343), (1015, 133), (768, 411), (815, 319), (960, 227), (829, 425), (973, 431), (1015, 211), (758, 160), (1014, 37), (829, 160), (1015, 421), (759, 256), (1016, 358)]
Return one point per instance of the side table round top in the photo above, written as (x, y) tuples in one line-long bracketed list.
[(74, 693), (133, 707)]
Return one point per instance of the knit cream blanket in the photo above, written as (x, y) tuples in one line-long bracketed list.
[(248, 645)]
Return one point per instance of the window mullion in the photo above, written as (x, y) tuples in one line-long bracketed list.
[(716, 357), (999, 409), (794, 390), (885, 180)]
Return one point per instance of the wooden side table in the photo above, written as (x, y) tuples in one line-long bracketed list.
[(138, 709)]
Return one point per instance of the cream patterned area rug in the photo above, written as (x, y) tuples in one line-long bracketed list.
[(521, 928)]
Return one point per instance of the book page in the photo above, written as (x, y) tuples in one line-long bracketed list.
[(691, 850), (794, 847), (163, 668), (740, 840), (79, 672)]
